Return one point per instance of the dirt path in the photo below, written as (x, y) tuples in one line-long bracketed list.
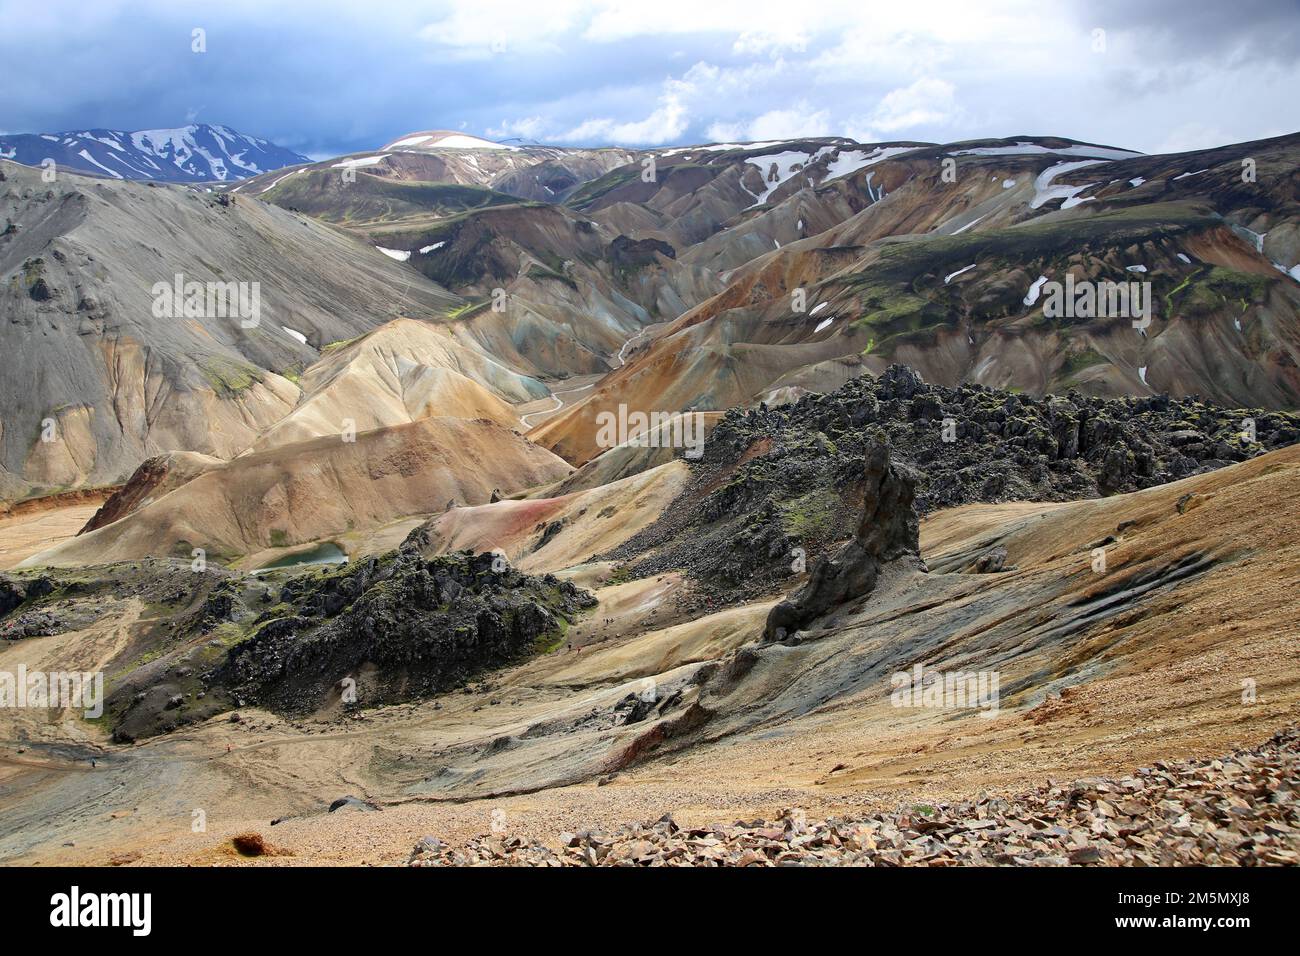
[(86, 651), (560, 404)]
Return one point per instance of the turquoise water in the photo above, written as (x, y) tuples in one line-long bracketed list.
[(325, 553)]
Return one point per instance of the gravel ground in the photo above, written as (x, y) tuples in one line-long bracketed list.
[(1239, 810)]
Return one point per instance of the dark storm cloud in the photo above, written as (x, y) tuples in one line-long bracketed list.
[(1229, 32), (339, 81)]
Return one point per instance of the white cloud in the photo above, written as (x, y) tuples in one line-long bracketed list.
[(928, 101), (789, 124), (949, 20), (862, 131), (490, 27), (798, 123), (874, 55), (726, 132), (531, 127), (665, 123), (669, 119), (614, 20), (757, 42)]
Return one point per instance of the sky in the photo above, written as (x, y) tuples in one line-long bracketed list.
[(329, 77)]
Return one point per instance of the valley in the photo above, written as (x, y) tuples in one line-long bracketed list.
[(362, 571)]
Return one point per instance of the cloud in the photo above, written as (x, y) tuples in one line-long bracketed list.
[(327, 77), (799, 123), (927, 102), (478, 31), (663, 125), (1191, 136), (532, 127), (757, 42), (668, 121)]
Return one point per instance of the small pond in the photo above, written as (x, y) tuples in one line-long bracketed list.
[(325, 553)]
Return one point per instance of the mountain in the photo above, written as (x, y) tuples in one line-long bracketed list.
[(320, 488), (899, 264), (97, 348), (477, 216), (198, 153), (402, 480), (366, 186)]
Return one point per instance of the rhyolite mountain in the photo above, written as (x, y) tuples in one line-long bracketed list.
[(197, 153), (539, 269), (357, 543), (834, 260)]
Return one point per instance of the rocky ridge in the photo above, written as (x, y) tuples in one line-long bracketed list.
[(888, 530), (376, 631), (777, 487)]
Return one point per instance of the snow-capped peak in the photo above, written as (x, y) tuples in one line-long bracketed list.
[(194, 153), (443, 139)]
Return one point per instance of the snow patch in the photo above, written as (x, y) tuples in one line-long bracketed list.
[(1142, 374), (1136, 268), (1255, 237), (776, 168), (822, 324), (410, 141), (398, 254), (461, 141), (1030, 149), (1184, 258), (952, 275), (879, 192), (1044, 191), (296, 334), (719, 147), (851, 160), (280, 180), (425, 250), (91, 159), (363, 161), (1138, 181)]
